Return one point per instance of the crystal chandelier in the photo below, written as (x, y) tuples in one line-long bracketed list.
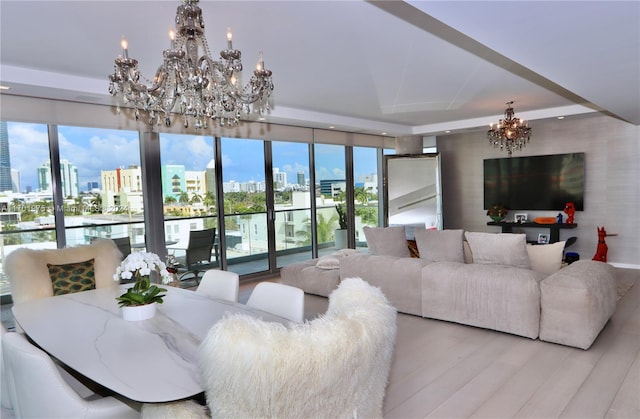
[(510, 134), (192, 85)]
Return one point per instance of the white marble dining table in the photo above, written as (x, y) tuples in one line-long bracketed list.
[(153, 360)]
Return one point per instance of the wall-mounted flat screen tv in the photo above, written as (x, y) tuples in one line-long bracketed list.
[(535, 182)]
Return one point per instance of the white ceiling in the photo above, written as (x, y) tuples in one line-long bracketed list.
[(400, 67)]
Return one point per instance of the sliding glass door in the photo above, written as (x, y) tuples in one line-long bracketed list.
[(292, 194), (187, 164), (245, 210)]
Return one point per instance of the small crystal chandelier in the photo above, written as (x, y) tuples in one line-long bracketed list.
[(194, 86), (510, 134)]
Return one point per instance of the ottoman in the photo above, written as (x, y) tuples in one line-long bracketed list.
[(311, 279), (576, 302)]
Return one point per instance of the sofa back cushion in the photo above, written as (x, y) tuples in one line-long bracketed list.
[(387, 241), (440, 245), (499, 248), (546, 258)]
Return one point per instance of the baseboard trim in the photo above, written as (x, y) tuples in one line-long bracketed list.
[(624, 265)]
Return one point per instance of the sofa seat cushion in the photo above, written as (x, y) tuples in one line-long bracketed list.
[(398, 278), (310, 278), (576, 303), (497, 297)]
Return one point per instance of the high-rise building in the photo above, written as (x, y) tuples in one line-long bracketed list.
[(5, 159), (301, 180), (15, 180), (279, 179), (210, 177), (69, 179), (44, 177)]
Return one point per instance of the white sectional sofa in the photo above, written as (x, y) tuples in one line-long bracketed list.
[(493, 281)]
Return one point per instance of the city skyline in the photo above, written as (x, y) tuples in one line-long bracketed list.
[(92, 150)]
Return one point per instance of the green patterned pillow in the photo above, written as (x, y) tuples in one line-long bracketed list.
[(72, 277)]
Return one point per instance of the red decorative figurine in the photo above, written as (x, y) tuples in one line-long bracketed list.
[(570, 210), (601, 250)]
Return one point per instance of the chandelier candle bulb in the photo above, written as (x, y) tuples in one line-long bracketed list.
[(229, 39), (172, 38), (260, 65), (125, 47)]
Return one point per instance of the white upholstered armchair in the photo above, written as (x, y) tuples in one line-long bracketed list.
[(335, 366), (29, 275)]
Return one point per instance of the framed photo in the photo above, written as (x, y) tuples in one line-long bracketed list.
[(520, 218), (543, 238)]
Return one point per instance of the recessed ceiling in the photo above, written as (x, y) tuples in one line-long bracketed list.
[(405, 68)]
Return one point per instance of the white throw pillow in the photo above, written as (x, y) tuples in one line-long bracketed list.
[(345, 252), (546, 258), (328, 262), (501, 248), (440, 245), (332, 261), (387, 241)]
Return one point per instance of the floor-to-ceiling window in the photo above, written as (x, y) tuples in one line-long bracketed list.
[(26, 193), (95, 174), (272, 208), (187, 166), (101, 184), (331, 187), (245, 211), (365, 190), (292, 193)]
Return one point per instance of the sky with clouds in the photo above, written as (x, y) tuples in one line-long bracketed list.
[(92, 150)]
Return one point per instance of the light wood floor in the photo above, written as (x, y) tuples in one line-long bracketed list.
[(445, 370)]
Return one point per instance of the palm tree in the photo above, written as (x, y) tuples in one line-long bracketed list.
[(324, 229), (96, 203), (210, 201), (362, 195)]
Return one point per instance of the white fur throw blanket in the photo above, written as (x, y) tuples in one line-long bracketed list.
[(29, 276), (335, 366)]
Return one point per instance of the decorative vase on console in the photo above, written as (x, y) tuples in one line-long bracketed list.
[(497, 212), (140, 300)]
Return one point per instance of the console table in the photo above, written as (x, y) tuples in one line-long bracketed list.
[(554, 229)]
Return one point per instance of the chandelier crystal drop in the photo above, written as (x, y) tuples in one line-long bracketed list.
[(192, 85), (510, 134)]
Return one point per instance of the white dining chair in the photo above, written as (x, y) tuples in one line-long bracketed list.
[(6, 410), (37, 390), (279, 299), (220, 284), (333, 366)]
